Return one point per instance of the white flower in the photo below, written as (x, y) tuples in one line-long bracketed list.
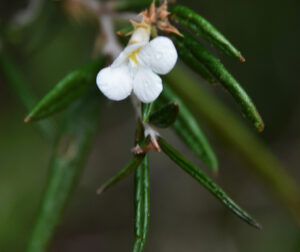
[(137, 67)]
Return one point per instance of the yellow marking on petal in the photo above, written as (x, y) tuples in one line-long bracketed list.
[(134, 54)]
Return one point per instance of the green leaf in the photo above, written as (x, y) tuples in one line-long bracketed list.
[(72, 86), (189, 59), (127, 170), (165, 116), (227, 127), (204, 180), (147, 109), (21, 90), (202, 28), (69, 157), (16, 80), (142, 209), (132, 5), (225, 78), (188, 129)]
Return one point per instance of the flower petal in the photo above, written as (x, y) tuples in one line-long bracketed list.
[(147, 85), (115, 83), (159, 54)]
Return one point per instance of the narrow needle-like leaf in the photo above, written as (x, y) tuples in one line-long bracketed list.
[(188, 129), (142, 209), (201, 27), (69, 156), (72, 86), (165, 116), (204, 180), (226, 79), (191, 61), (125, 31), (127, 170)]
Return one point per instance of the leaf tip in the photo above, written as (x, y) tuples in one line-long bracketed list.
[(215, 173), (100, 190), (120, 33), (242, 59), (254, 223), (260, 126), (27, 119), (214, 83), (257, 226)]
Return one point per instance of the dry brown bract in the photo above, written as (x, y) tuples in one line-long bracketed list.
[(159, 17)]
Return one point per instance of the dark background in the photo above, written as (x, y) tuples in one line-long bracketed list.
[(184, 216)]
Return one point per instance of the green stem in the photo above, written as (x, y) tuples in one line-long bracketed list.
[(142, 210)]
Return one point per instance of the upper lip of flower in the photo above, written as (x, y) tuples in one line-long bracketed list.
[(136, 69), (127, 53)]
